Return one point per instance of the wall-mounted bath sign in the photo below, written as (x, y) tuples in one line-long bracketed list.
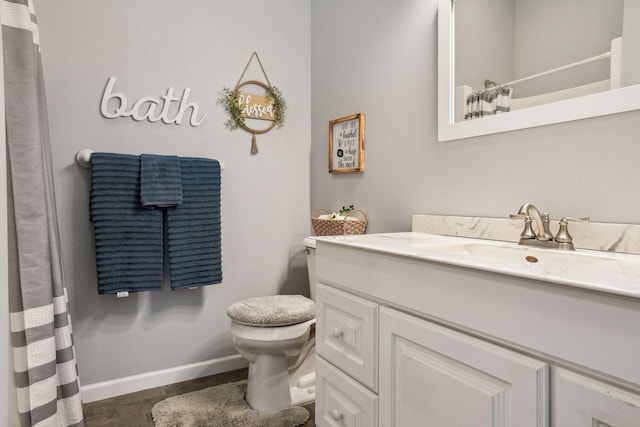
[(168, 108), (346, 144), (244, 106)]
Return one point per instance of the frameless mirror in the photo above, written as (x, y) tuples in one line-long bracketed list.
[(512, 64)]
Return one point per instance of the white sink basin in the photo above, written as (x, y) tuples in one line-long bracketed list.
[(520, 255), (597, 270)]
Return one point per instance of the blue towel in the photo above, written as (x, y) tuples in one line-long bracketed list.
[(194, 228), (128, 238), (160, 181)]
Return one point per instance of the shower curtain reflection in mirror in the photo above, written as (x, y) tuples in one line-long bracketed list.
[(488, 102)]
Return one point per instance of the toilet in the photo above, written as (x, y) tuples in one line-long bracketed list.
[(276, 334)]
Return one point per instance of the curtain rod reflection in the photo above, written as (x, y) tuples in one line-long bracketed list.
[(491, 85)]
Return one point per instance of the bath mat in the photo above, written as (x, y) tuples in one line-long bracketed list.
[(221, 406)]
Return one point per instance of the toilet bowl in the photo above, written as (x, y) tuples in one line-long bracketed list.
[(276, 335)]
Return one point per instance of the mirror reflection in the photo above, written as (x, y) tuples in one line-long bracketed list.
[(516, 54)]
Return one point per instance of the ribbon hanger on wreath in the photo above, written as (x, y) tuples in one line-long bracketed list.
[(247, 110)]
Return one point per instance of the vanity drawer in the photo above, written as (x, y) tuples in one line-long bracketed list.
[(346, 333), (580, 401), (341, 401)]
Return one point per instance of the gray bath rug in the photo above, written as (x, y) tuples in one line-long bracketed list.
[(221, 406)]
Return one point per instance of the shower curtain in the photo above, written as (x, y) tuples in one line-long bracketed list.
[(47, 384)]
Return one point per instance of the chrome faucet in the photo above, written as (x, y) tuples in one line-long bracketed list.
[(541, 235)]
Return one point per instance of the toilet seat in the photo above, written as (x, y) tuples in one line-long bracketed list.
[(272, 311), (245, 334)]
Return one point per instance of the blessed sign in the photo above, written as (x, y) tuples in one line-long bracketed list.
[(256, 107)]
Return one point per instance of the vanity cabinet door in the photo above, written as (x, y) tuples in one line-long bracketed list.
[(579, 401), (434, 376)]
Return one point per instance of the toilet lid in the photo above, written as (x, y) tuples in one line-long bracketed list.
[(273, 310)]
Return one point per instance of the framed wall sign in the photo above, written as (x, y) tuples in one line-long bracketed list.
[(346, 144)]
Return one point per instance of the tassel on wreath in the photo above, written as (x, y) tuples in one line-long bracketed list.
[(254, 145)]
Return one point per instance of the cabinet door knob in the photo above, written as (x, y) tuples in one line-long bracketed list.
[(336, 414), (337, 332)]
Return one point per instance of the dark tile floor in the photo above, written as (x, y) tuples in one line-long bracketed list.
[(134, 410)]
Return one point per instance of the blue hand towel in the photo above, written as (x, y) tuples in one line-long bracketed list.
[(194, 227), (128, 238), (160, 181)]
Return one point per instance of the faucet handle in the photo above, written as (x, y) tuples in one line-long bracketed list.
[(581, 220), (563, 237), (527, 232)]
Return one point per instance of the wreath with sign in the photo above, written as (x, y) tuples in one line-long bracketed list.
[(241, 106)]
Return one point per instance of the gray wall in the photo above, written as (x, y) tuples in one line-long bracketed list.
[(552, 33), (504, 40), (586, 167), (485, 38), (202, 45)]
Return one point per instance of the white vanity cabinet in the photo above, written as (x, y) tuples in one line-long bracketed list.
[(404, 342)]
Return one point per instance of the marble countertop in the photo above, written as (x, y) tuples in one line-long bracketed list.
[(612, 273)]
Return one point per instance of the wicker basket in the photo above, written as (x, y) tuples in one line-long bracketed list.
[(338, 227)]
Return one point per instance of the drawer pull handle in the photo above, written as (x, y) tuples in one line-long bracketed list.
[(336, 333), (336, 414)]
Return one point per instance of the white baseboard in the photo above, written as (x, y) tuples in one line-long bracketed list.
[(120, 386)]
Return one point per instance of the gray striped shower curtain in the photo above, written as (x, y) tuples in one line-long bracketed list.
[(48, 389)]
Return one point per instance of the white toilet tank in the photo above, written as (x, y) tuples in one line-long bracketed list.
[(310, 249)]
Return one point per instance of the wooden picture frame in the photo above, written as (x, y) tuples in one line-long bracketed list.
[(346, 144)]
